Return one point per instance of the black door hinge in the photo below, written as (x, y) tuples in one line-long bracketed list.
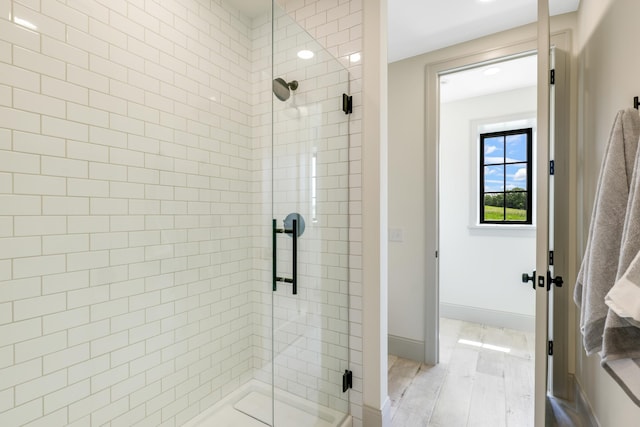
[(347, 380), (347, 103), (550, 257), (552, 167), (550, 351), (552, 77)]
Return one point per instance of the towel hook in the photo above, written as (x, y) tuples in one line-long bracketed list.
[(636, 102)]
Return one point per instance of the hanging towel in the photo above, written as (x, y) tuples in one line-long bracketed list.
[(621, 340), (600, 262), (624, 297)]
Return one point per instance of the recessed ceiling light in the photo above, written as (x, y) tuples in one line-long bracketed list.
[(355, 57), (305, 54), (491, 71)]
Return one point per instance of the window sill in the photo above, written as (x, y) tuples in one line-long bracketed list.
[(506, 228)]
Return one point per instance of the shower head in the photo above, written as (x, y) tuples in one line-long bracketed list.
[(282, 89)]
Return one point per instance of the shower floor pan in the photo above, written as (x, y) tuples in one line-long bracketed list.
[(251, 406)]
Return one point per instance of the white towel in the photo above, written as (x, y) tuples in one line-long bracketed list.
[(624, 297), (621, 339), (600, 263)]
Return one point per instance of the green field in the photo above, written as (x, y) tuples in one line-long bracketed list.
[(494, 213)]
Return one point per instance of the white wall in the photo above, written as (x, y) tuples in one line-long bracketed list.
[(609, 60), (480, 266)]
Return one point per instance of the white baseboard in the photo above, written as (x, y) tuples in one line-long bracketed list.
[(499, 319), (583, 405), (373, 417), (406, 348)]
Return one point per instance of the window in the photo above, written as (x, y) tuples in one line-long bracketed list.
[(505, 177)]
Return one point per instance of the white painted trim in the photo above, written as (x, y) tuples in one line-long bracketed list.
[(406, 348), (373, 417), (495, 318), (374, 204)]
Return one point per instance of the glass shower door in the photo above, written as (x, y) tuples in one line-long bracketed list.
[(310, 231)]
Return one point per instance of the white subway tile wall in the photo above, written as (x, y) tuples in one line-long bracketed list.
[(132, 230), (125, 245)]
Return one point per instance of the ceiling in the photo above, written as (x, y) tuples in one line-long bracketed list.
[(491, 78), (420, 26)]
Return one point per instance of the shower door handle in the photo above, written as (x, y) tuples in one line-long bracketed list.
[(294, 269)]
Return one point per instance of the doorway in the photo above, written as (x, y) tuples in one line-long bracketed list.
[(559, 385), (486, 335), (487, 219), (487, 134)]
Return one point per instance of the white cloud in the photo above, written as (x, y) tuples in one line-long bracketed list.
[(520, 175), (493, 160), (490, 149)]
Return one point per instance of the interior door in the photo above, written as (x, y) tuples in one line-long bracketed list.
[(310, 230), (543, 217), (552, 251), (559, 225)]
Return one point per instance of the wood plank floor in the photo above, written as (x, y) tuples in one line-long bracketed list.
[(485, 378)]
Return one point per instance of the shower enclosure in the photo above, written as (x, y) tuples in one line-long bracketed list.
[(300, 169)]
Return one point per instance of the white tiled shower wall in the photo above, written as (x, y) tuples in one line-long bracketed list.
[(130, 216), (124, 210)]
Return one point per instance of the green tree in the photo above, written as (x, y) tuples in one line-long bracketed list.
[(494, 200), (517, 199)]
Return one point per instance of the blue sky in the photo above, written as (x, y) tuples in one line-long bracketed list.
[(494, 152)]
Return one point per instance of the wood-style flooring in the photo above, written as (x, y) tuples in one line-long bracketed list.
[(485, 379)]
